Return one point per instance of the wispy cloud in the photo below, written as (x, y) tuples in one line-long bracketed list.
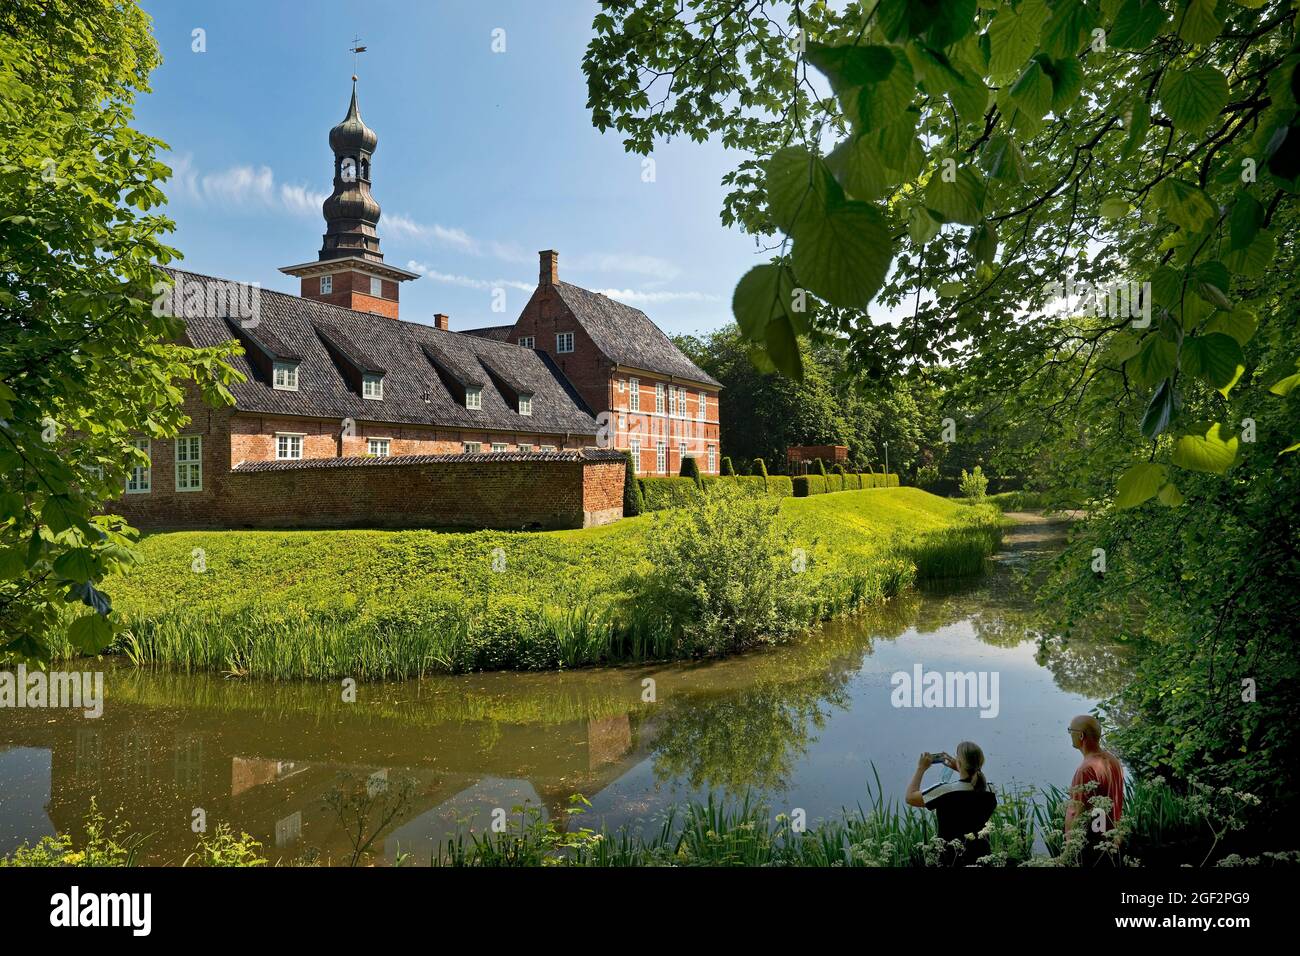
[(467, 282), (241, 186)]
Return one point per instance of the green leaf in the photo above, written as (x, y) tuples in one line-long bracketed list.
[(1122, 346), (1209, 452), (1240, 323), (783, 347), (958, 201), (59, 513), (1139, 483), (1192, 98), (848, 66), (1013, 36), (1137, 120), (921, 226), (844, 257), (90, 633), (1160, 411), (1285, 386), (799, 186), (881, 103), (857, 166), (78, 564), (950, 290), (1032, 92), (1214, 357), (1199, 23), (1170, 496), (13, 564), (1255, 259), (763, 294), (1186, 205), (1247, 216), (1154, 361), (1115, 207), (1066, 28), (1136, 24), (984, 242)]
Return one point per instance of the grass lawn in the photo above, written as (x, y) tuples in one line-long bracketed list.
[(380, 604)]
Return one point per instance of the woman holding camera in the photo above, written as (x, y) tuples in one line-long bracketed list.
[(961, 807)]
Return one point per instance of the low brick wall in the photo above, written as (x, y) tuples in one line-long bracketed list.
[(566, 489)]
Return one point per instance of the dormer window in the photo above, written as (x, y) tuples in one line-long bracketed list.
[(376, 287), (372, 386), (473, 398), (525, 404), (564, 341), (285, 376), (526, 341)]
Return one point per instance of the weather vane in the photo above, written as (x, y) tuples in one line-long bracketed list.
[(355, 49)]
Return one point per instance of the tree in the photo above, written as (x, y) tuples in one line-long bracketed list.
[(85, 363), (691, 469), (728, 469), (633, 502)]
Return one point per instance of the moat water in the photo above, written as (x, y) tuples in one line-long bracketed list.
[(807, 726)]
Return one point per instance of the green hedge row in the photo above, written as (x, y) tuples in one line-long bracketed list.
[(805, 485), (668, 492)]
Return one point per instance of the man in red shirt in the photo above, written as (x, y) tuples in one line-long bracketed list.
[(1099, 775)]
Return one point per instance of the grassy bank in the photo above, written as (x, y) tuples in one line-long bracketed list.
[(385, 604)]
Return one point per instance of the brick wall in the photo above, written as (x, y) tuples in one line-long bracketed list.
[(559, 490), (351, 290)]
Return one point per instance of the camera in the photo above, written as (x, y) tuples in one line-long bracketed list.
[(938, 758)]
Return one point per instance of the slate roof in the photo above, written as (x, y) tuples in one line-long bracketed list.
[(627, 336), (414, 393), (300, 464), (499, 332)]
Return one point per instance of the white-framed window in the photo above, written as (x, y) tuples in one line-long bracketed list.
[(288, 447), (378, 447), (525, 404), (622, 422), (681, 451), (659, 398), (189, 463), (326, 285), (634, 394), (634, 446), (661, 457), (548, 448), (564, 341), (526, 446), (703, 413), (377, 287), (372, 386), (472, 447), (622, 386), (284, 376), (681, 401), (713, 458), (474, 398), (140, 480), (500, 446), (526, 341), (672, 401)]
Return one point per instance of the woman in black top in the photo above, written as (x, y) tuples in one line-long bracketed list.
[(962, 807)]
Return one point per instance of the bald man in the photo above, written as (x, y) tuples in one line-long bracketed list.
[(1100, 767)]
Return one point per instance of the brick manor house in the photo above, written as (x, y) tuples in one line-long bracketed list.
[(351, 416)]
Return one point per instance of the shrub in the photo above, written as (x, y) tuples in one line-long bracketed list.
[(719, 574), (819, 467), (779, 486), (748, 486), (691, 470), (633, 500), (927, 476), (760, 467), (728, 470), (974, 484), (805, 485), (852, 482), (891, 480), (663, 493)]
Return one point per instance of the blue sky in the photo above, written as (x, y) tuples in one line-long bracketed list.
[(483, 158)]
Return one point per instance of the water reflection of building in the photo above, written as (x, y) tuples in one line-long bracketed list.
[(271, 778)]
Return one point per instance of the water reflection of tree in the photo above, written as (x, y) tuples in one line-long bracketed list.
[(745, 740), (1086, 664)]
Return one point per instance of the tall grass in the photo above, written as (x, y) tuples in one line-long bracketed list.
[(389, 605)]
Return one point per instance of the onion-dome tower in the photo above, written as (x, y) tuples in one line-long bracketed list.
[(350, 269)]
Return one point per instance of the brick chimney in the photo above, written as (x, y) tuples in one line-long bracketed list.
[(549, 273), (440, 321)]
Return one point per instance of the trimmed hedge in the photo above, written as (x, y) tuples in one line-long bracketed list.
[(779, 486), (661, 493), (805, 485)]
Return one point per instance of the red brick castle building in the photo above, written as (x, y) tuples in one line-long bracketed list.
[(349, 415)]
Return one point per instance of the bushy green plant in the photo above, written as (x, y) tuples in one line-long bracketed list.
[(691, 470), (728, 470), (663, 493), (760, 467), (819, 467), (927, 476), (633, 500), (805, 485), (973, 484), (720, 574)]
